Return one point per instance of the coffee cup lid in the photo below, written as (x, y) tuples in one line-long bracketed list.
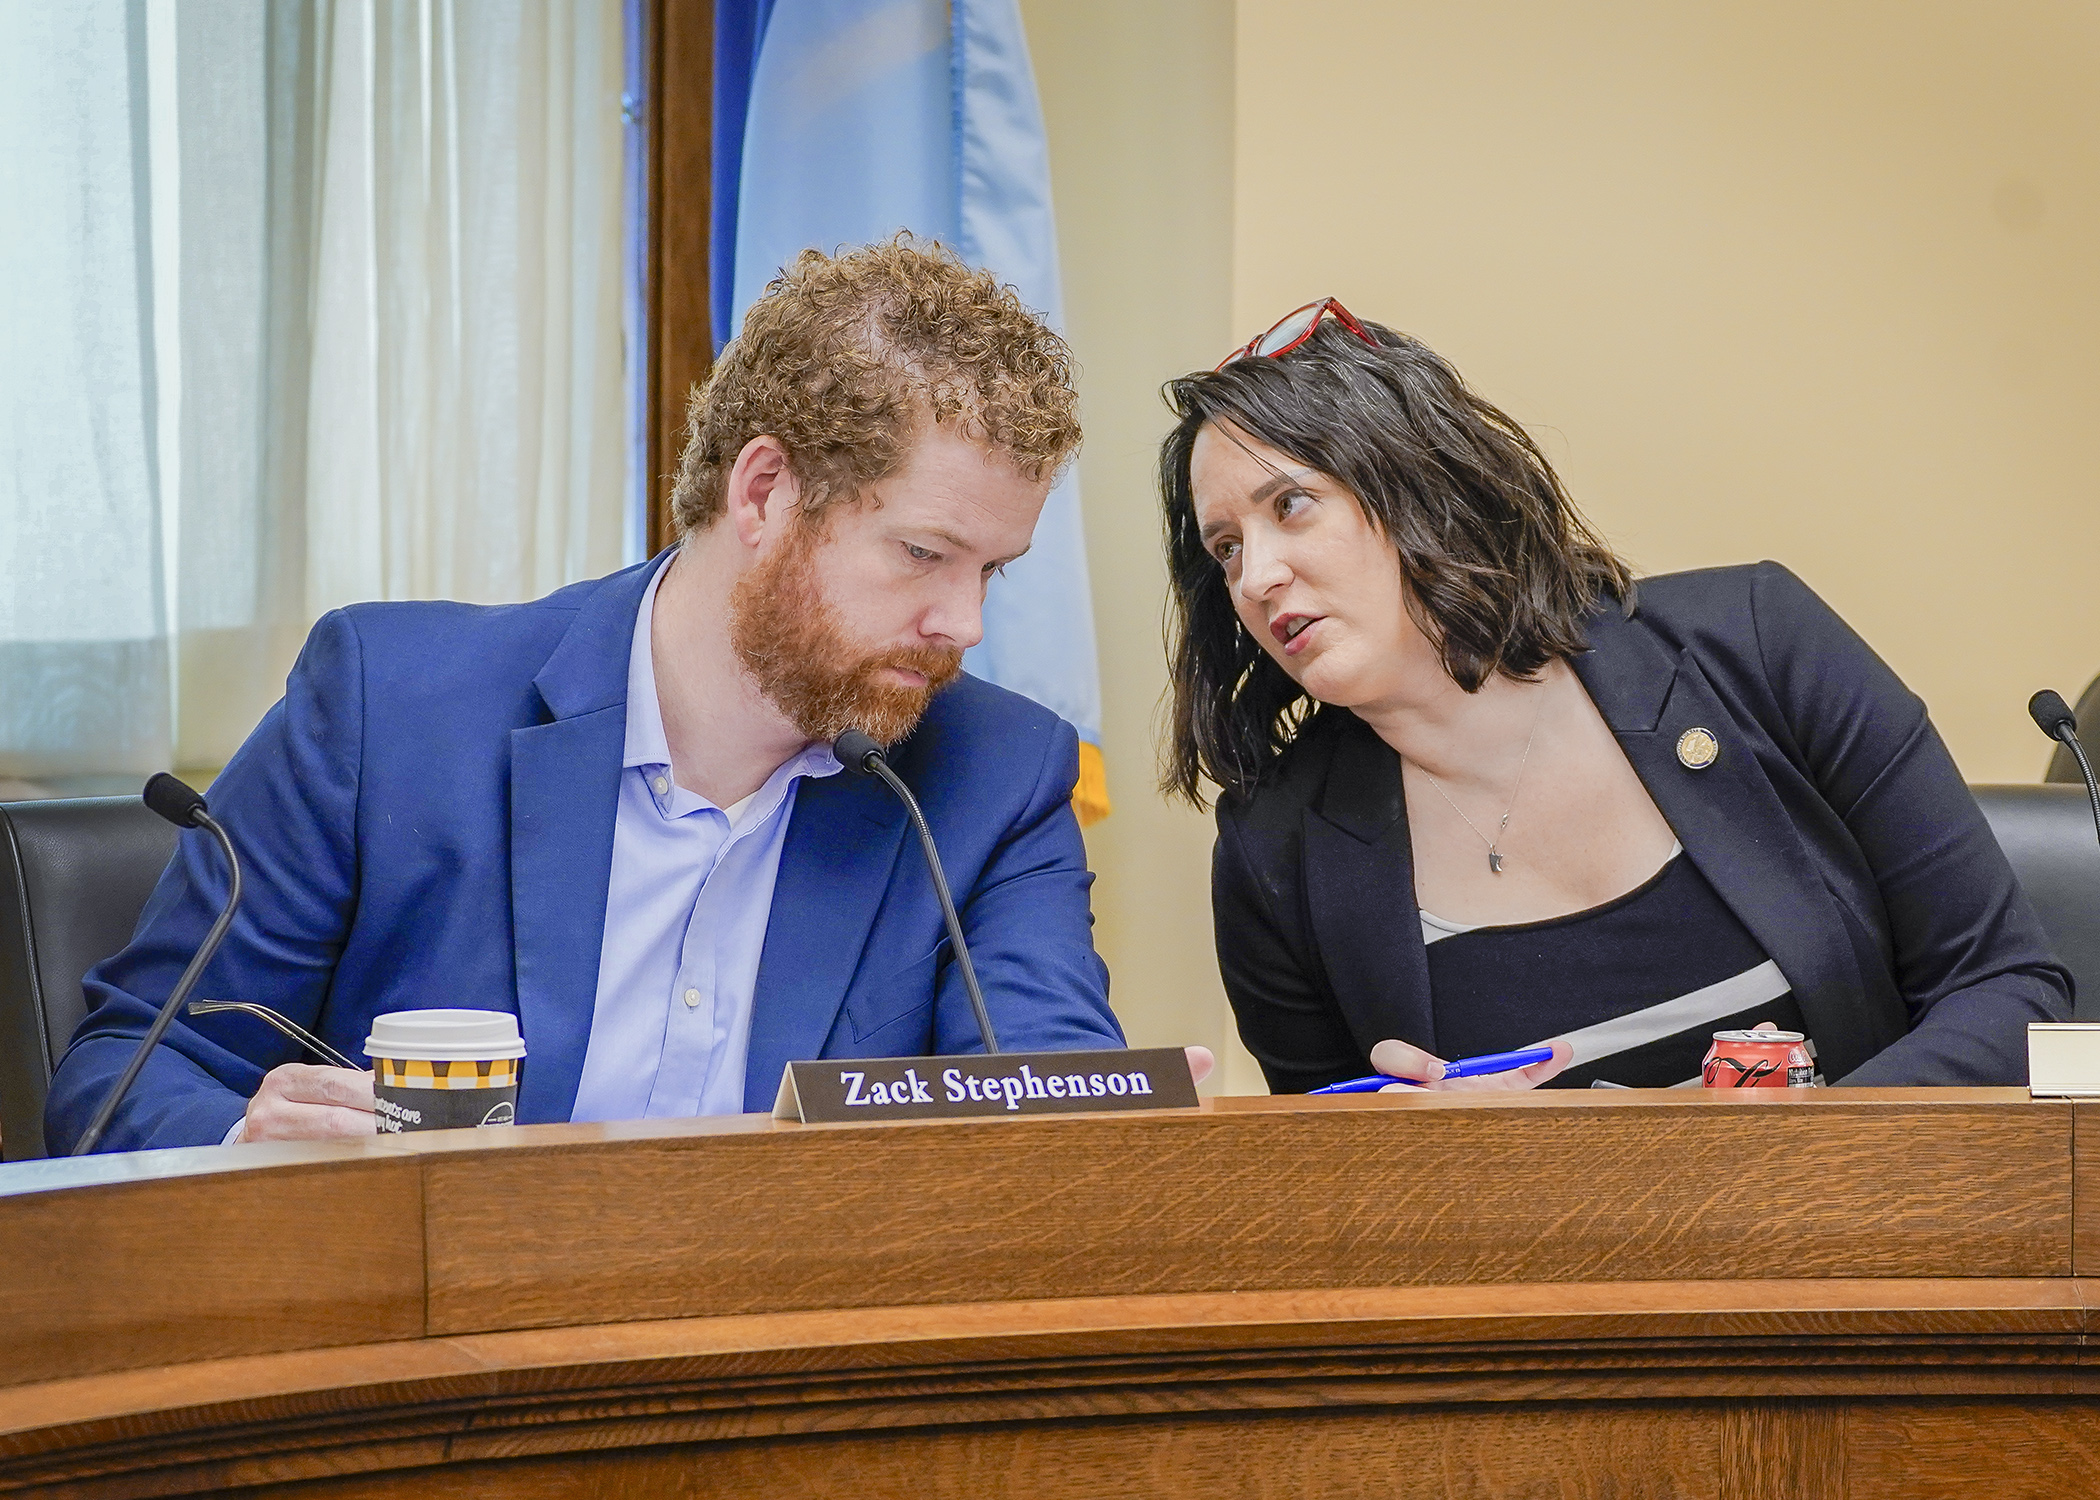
[(445, 1035)]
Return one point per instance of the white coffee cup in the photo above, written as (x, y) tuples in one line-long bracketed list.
[(444, 1069)]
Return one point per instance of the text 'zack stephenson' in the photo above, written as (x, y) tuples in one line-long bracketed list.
[(911, 1089)]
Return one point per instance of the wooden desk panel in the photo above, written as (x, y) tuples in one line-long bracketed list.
[(169, 1270), (2085, 1190), (1556, 1294), (1593, 1189)]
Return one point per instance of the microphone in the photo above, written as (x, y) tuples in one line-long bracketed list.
[(182, 806), (2055, 719), (859, 753), (174, 799), (1002, 1082), (2053, 715)]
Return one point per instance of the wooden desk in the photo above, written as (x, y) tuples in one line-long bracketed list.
[(1859, 1293)]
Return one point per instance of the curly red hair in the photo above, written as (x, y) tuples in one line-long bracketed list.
[(846, 357)]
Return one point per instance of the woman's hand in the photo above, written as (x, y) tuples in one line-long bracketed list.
[(1398, 1060)]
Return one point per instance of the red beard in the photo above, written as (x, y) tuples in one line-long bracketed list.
[(793, 644)]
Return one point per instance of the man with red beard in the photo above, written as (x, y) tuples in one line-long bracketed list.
[(615, 811)]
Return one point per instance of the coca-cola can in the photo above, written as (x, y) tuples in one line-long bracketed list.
[(1759, 1060)]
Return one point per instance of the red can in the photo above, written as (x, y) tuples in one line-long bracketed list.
[(1759, 1060)]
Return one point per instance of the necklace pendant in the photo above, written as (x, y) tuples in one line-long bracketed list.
[(1494, 862)]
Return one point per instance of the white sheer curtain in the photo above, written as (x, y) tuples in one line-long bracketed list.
[(304, 302), (83, 653)]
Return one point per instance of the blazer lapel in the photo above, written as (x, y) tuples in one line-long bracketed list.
[(841, 852), (1730, 820), (564, 794), (1360, 885)]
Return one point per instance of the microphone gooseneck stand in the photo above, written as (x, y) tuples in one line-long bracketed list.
[(2056, 720), (859, 752), (180, 805)]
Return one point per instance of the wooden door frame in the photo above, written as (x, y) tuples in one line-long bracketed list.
[(678, 44)]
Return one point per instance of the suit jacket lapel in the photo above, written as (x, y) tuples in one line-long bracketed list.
[(564, 795), (1360, 886), (1729, 819), (841, 851)]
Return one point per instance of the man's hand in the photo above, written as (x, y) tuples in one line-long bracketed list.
[(300, 1102), (1200, 1062), (1397, 1059)]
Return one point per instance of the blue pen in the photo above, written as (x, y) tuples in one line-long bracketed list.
[(1465, 1067)]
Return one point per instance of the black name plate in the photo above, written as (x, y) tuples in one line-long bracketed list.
[(1004, 1083)]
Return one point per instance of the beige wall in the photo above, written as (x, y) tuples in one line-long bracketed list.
[(1802, 279), (1137, 99), (1811, 281)]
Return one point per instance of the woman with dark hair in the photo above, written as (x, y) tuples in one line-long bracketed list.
[(1479, 792)]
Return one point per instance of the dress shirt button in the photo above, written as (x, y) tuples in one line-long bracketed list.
[(662, 785), (692, 998)]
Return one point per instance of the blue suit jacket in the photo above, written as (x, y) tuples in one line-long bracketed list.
[(426, 819)]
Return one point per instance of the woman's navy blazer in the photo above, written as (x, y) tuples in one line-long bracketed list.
[(1833, 823)]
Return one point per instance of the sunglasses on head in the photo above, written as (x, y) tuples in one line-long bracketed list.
[(1295, 327)]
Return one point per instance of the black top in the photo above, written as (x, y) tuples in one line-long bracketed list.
[(1637, 986), (1832, 823)]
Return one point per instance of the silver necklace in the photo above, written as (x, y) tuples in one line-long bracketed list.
[(1502, 827)]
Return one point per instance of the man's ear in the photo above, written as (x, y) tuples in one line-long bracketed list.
[(761, 489)]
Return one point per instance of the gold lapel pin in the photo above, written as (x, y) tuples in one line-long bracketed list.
[(1698, 749)]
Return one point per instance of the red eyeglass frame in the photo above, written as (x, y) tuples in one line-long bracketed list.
[(1321, 310)]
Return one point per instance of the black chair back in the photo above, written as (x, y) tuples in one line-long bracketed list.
[(74, 875), (2047, 832)]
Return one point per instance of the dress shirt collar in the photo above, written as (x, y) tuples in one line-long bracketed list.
[(649, 749)]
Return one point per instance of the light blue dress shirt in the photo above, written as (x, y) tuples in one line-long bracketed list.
[(685, 922)]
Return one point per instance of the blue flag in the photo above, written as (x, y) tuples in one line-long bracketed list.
[(840, 122)]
